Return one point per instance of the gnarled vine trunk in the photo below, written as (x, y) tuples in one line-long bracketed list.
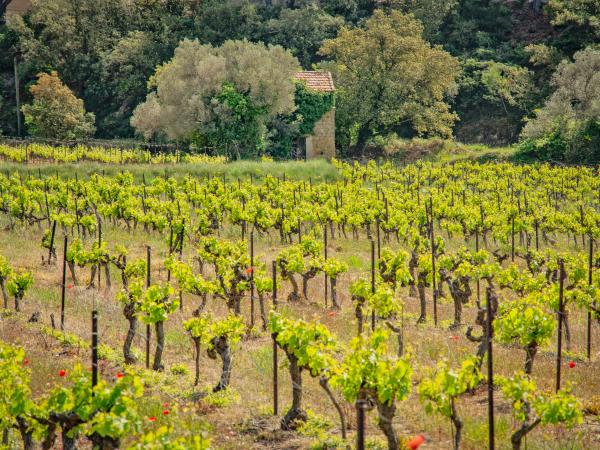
[(295, 414), (160, 345), (386, 416), (220, 346), (4, 293), (129, 312), (530, 352)]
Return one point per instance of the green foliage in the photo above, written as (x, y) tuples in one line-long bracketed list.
[(380, 86), (560, 407), (311, 343), (311, 106), (211, 94), (15, 393), (19, 282), (439, 391), (204, 328), (5, 268), (524, 322), (55, 111), (567, 127), (158, 303), (163, 438), (369, 366)]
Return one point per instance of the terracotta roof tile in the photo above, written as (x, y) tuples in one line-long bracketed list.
[(318, 81)]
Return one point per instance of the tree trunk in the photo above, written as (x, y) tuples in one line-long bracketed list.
[(107, 276), (129, 313), (530, 352), (458, 425), (333, 283), (423, 301), (71, 266), (294, 296), (518, 435), (26, 434), (295, 414), (160, 344), (221, 346), (18, 303), (68, 443), (4, 293), (567, 330), (386, 416), (197, 358), (263, 315), (325, 385)]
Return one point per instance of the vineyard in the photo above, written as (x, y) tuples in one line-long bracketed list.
[(432, 306)]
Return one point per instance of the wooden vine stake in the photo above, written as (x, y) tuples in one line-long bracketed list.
[(148, 329), (433, 281), (325, 256), (52, 234), (561, 282), (275, 363), (590, 279), (63, 286), (252, 314), (490, 372), (372, 280), (361, 403), (94, 346)]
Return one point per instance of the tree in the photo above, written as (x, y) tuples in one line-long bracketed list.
[(576, 98), (582, 13), (431, 13), (219, 96), (389, 78), (567, 127), (55, 111), (302, 31)]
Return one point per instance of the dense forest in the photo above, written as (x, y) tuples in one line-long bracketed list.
[(481, 71)]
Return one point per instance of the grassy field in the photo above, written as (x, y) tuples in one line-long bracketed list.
[(242, 419)]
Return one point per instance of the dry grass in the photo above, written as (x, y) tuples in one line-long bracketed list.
[(246, 423)]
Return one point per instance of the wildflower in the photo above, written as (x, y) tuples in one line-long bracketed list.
[(571, 364), (62, 373), (152, 419), (120, 375), (415, 442), (166, 412)]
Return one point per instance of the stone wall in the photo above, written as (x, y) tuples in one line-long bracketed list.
[(321, 144)]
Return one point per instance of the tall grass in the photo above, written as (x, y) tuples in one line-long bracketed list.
[(318, 170)]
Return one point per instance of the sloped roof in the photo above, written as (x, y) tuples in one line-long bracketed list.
[(318, 81)]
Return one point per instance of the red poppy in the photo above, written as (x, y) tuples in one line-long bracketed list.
[(69, 286), (165, 405), (331, 314), (249, 270), (25, 362), (454, 338), (152, 419), (415, 442), (120, 375), (166, 412), (571, 364), (62, 373)]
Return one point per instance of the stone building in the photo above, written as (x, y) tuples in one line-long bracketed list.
[(321, 143)]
